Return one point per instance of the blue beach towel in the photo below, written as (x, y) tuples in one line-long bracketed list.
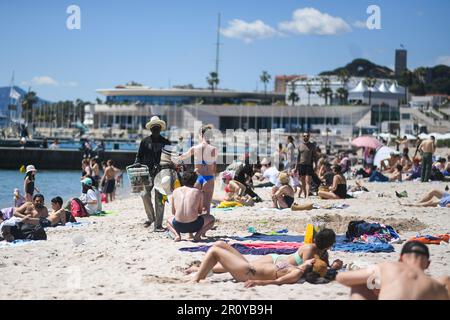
[(363, 247)]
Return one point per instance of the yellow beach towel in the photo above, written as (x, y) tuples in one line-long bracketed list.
[(229, 204)]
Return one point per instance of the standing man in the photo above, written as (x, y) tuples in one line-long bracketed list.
[(149, 154), (306, 157), (427, 149)]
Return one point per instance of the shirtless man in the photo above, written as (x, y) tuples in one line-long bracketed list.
[(402, 280), (109, 177), (58, 216), (95, 172), (35, 209), (187, 208), (427, 148)]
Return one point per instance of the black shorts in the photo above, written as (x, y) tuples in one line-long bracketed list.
[(305, 170), (289, 200), (110, 186), (190, 227), (45, 223)]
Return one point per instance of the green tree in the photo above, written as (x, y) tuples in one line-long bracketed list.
[(265, 78), (342, 92), (370, 83), (293, 96), (29, 100), (325, 90), (213, 81), (308, 89)]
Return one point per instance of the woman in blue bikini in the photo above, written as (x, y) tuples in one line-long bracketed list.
[(205, 156)]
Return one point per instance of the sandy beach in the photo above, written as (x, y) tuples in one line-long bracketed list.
[(115, 257)]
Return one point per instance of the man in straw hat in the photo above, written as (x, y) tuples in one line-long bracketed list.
[(149, 154)]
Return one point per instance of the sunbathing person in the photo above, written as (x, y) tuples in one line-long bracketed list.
[(402, 280), (187, 208), (35, 209), (59, 216), (416, 170), (253, 273), (283, 196), (323, 241), (443, 200), (393, 161), (339, 188), (379, 177)]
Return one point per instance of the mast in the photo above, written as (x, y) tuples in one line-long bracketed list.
[(218, 46)]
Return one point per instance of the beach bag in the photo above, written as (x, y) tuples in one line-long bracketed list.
[(77, 209), (352, 229), (28, 232)]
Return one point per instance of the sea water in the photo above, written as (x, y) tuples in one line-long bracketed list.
[(65, 184)]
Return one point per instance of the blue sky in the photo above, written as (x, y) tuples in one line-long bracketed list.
[(173, 41)]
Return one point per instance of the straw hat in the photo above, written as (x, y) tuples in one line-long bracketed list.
[(30, 168), (264, 162), (156, 121), (284, 178)]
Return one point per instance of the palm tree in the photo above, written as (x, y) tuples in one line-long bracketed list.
[(325, 90), (293, 96), (265, 78), (308, 89), (28, 101), (213, 81), (344, 78), (370, 83)]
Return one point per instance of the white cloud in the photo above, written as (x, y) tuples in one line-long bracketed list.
[(72, 84), (310, 21), (44, 81), (248, 31), (360, 24), (443, 60)]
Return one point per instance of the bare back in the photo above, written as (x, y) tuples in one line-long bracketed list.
[(427, 146), (402, 282), (205, 157), (110, 173), (187, 204)]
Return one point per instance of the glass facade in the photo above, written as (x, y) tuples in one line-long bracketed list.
[(173, 100), (382, 113)]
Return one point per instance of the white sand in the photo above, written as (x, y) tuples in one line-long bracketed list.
[(120, 259)]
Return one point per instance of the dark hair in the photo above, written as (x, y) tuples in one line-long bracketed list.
[(110, 162), (280, 166), (85, 188), (399, 167), (189, 179), (415, 247), (337, 168), (58, 200), (38, 195), (433, 138), (325, 239)]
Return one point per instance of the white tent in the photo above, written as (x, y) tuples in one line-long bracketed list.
[(360, 88), (395, 88), (383, 88)]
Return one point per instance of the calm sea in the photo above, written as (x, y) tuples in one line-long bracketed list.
[(65, 184)]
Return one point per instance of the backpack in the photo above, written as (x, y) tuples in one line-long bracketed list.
[(77, 209), (24, 231), (352, 229)]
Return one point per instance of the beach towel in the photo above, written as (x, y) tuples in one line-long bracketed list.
[(229, 204), (279, 237), (254, 248), (102, 213), (427, 239), (363, 247), (4, 244)]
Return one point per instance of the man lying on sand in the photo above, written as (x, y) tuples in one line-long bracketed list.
[(59, 216), (402, 280), (323, 241), (253, 273), (443, 200), (187, 208)]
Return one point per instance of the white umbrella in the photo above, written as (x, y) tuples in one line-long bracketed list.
[(382, 154)]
